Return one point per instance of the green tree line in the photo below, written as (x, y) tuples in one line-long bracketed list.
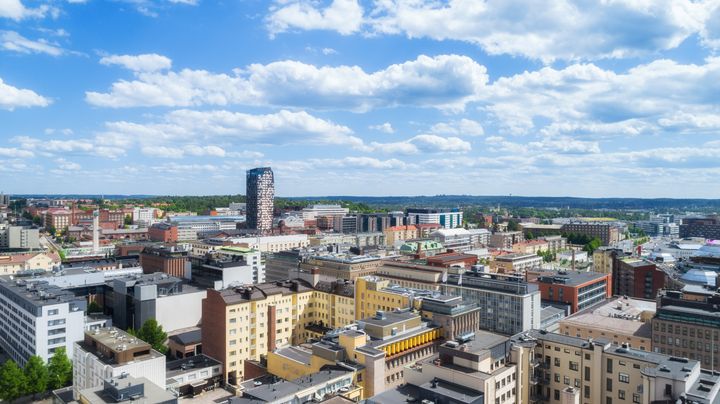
[(36, 378)]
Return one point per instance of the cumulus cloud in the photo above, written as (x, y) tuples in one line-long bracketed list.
[(13, 97), (546, 31), (343, 16), (12, 41), (15, 153), (16, 10), (64, 164), (584, 99), (445, 81), (463, 127), (423, 143), (139, 63), (383, 127)]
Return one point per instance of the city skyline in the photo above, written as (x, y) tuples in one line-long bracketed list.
[(361, 98)]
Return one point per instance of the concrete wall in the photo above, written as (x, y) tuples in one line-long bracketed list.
[(179, 311)]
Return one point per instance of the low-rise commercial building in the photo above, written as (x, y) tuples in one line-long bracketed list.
[(516, 263), (107, 353), (621, 320)]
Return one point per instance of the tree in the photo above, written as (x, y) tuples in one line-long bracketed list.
[(93, 307), (152, 333), (592, 245), (12, 381), (59, 370), (52, 230), (128, 220), (37, 375)]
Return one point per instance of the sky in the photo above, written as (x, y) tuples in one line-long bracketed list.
[(617, 98)]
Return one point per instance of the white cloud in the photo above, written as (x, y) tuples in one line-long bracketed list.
[(184, 151), (139, 63), (328, 51), (434, 143), (384, 127), (445, 82), (64, 164), (343, 16), (13, 97), (12, 41), (282, 127), (359, 162), (15, 10), (463, 127), (583, 99), (561, 29), (15, 153)]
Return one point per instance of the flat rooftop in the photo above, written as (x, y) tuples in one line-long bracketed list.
[(37, 294), (623, 315), (152, 392), (568, 278), (184, 365)]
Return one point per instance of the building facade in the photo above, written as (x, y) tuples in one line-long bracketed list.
[(260, 194)]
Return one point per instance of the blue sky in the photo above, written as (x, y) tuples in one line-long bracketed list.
[(344, 97)]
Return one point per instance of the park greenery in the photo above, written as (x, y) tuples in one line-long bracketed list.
[(36, 378)]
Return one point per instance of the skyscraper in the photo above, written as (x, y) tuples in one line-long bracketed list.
[(260, 191)]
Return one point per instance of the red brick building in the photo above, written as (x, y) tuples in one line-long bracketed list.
[(450, 259), (166, 260), (638, 278), (164, 232), (577, 290)]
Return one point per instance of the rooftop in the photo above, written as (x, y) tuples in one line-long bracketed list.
[(181, 366), (262, 290), (188, 337), (39, 294), (568, 278), (151, 393), (618, 314)]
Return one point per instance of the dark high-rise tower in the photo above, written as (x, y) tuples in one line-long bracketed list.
[(260, 191)]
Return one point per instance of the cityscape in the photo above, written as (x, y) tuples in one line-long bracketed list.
[(359, 201)]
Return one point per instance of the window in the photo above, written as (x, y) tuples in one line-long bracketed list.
[(566, 380), (557, 377), (556, 394), (609, 366), (557, 361), (587, 373), (587, 392), (608, 384), (624, 378), (636, 398), (621, 394), (53, 312), (574, 366)]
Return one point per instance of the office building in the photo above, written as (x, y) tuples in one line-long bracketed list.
[(260, 196), (283, 265), (705, 227), (687, 324), (447, 218), (341, 266), (4, 199), (229, 266), (621, 320), (38, 318), (570, 290), (106, 353), (144, 216), (270, 244), (57, 218), (510, 305), (313, 211), (167, 260), (132, 300), (554, 368), (456, 239), (345, 224)]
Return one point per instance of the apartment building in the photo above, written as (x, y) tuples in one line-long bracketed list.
[(554, 368), (248, 322), (621, 320), (531, 246), (18, 237), (260, 193), (505, 240), (60, 219), (396, 235), (516, 263), (636, 277), (110, 352), (687, 324), (164, 232), (608, 233), (14, 263), (36, 318)]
